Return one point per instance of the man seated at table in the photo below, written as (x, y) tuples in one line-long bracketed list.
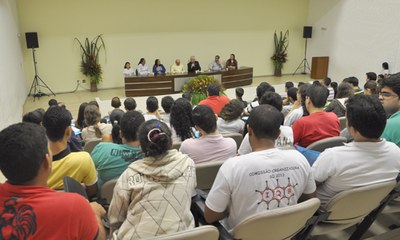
[(216, 64), (177, 67), (193, 66)]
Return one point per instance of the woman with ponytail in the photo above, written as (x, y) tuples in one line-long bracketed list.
[(95, 130)]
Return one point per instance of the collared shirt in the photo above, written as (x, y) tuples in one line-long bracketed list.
[(214, 66), (177, 68)]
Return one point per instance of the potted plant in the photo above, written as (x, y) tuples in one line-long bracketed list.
[(279, 57), (90, 66), (198, 86)]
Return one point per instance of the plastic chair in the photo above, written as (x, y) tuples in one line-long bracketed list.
[(206, 173), (331, 142), (176, 145), (206, 232), (342, 121), (89, 146), (71, 185), (106, 191), (238, 137)]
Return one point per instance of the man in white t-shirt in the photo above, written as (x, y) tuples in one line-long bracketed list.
[(265, 179), (367, 160), (211, 145)]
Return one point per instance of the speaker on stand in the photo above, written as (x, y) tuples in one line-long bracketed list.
[(307, 33)]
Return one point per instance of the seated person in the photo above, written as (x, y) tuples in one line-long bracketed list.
[(241, 185), (129, 104), (261, 89), (390, 98), (367, 160), (153, 196), (298, 109), (319, 124), (158, 68), (216, 64), (211, 145), (95, 130), (166, 104), (338, 106), (371, 88), (193, 66), (77, 165), (214, 100), (177, 67), (289, 100), (36, 116), (327, 83), (181, 121), (29, 209), (128, 71), (239, 96), (142, 68), (229, 118), (354, 82), (111, 159), (231, 63), (116, 113), (152, 109)]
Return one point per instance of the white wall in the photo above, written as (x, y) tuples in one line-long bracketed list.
[(12, 81), (357, 35)]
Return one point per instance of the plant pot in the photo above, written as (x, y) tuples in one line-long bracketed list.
[(93, 87), (278, 72)]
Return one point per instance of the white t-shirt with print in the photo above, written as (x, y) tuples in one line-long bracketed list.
[(292, 117), (260, 181), (234, 126)]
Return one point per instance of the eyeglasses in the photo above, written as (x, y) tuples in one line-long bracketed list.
[(386, 95)]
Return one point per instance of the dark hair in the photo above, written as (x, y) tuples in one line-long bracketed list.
[(263, 88), (318, 94), (141, 61), (371, 85), (52, 102), (203, 116), (232, 110), (92, 117), (213, 90), (327, 81), (289, 84), (155, 138), (292, 93), (299, 84), (345, 90), (126, 63), (130, 124), (392, 82), (181, 118), (239, 92), (385, 65), (166, 103), (371, 76), (95, 103), (35, 116), (130, 104), (366, 114), (152, 104), (303, 94), (81, 116), (234, 57), (265, 120), (155, 61), (22, 151), (116, 115), (116, 138), (352, 80), (272, 99), (334, 85), (115, 102), (187, 96), (56, 120)]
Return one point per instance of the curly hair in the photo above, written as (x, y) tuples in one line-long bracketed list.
[(231, 111), (181, 118)]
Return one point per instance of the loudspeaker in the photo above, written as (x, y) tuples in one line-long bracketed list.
[(32, 40), (307, 32)]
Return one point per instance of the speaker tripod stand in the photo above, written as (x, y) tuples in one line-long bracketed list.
[(37, 82), (304, 63)]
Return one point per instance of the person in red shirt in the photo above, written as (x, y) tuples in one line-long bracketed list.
[(28, 208), (214, 100), (319, 124)]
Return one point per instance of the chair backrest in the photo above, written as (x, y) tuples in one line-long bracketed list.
[(342, 121), (238, 137), (279, 223), (206, 173), (106, 191), (207, 232), (176, 145), (71, 185), (351, 205), (89, 146), (323, 144)]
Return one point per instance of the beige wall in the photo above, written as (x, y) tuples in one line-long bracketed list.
[(158, 29)]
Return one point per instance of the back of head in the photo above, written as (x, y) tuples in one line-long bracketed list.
[(318, 95), (289, 84), (239, 92), (344, 90), (263, 88), (130, 104), (213, 90), (35, 116), (155, 138), (115, 102), (56, 120), (371, 76), (327, 81), (232, 110), (352, 80), (92, 115), (81, 115), (52, 102), (152, 104), (292, 93), (130, 124), (385, 65), (22, 151), (303, 94), (272, 99), (166, 103), (203, 116), (181, 118), (372, 86), (187, 96), (95, 103), (366, 115), (392, 82), (265, 120)]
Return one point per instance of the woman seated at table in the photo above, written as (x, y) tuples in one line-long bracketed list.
[(142, 68), (231, 63), (128, 71), (158, 68)]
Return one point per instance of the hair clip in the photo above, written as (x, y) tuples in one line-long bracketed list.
[(154, 134)]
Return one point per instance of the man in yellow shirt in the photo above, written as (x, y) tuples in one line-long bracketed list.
[(77, 165), (177, 67)]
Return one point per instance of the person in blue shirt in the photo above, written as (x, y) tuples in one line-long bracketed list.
[(158, 68)]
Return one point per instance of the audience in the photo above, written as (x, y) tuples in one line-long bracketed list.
[(334, 85), (53, 102), (298, 109), (367, 160), (187, 96), (153, 196), (152, 109), (262, 88), (239, 96), (327, 83), (371, 76), (112, 159), (77, 165), (319, 124), (338, 106), (129, 104), (95, 130), (166, 104), (211, 145), (181, 120), (80, 123), (354, 82), (35, 116), (371, 88), (30, 210), (389, 97), (241, 183), (229, 118), (288, 85), (290, 100), (214, 100), (116, 113)]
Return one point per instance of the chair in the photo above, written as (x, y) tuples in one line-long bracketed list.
[(206, 173), (238, 137), (323, 144), (351, 206), (342, 121), (199, 233), (89, 146), (280, 223), (176, 145), (71, 185), (107, 190)]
